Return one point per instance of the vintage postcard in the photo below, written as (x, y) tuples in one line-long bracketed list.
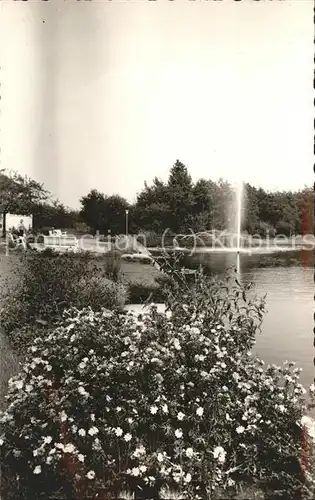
[(157, 250)]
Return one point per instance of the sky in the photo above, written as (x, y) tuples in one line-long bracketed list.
[(110, 94)]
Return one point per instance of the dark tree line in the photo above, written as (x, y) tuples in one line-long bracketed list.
[(181, 205)]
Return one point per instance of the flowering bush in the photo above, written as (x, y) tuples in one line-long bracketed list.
[(111, 399), (44, 285), (101, 292)]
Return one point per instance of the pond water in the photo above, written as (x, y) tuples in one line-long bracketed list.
[(287, 279)]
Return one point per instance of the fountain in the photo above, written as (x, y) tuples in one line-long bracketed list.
[(239, 199)]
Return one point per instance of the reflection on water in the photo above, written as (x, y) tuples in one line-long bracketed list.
[(288, 324), (287, 279)]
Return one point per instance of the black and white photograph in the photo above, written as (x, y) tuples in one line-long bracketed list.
[(157, 250)]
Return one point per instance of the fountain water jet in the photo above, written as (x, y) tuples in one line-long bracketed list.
[(239, 199)]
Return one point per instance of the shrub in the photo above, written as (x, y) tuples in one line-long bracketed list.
[(21, 338), (113, 264), (43, 285), (40, 239), (141, 292), (152, 239), (101, 292), (112, 399)]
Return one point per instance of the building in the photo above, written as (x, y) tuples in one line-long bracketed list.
[(13, 221)]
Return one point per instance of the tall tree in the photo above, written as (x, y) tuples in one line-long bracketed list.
[(305, 204), (101, 212), (250, 213), (19, 194), (181, 198), (56, 215), (223, 205)]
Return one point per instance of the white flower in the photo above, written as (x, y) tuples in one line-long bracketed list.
[(37, 469), (309, 424), (135, 471), (63, 416), (19, 384), (81, 457), (90, 474), (48, 368), (127, 437), (312, 388), (180, 416), (189, 452), (59, 446), (118, 409), (240, 429), (82, 365), (28, 387), (199, 411), (69, 448), (47, 439), (1, 442), (177, 345), (235, 376), (92, 416), (219, 454), (118, 431), (81, 432), (165, 408), (281, 408), (49, 459), (82, 391), (153, 409), (178, 433), (143, 468), (93, 430), (139, 451), (160, 457), (187, 478)]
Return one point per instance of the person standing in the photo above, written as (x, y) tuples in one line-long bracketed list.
[(21, 229)]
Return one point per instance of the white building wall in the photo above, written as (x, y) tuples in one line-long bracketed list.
[(13, 220)]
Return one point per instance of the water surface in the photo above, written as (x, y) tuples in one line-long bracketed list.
[(287, 279)]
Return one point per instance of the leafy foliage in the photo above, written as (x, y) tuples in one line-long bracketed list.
[(19, 194), (102, 212), (181, 205), (54, 215), (43, 285), (177, 399)]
